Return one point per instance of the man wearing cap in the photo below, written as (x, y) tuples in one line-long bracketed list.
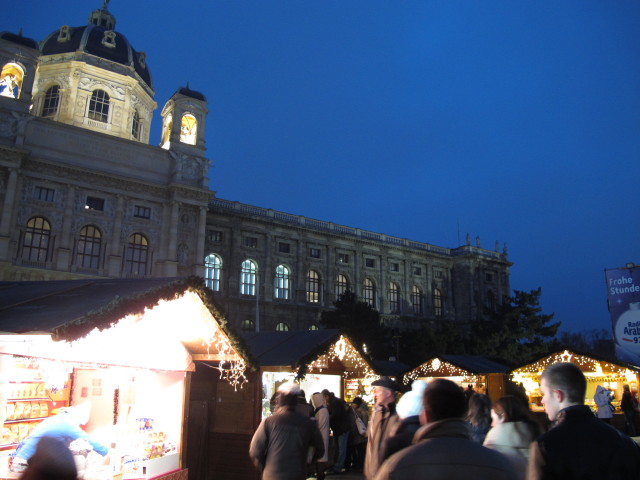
[(382, 424)]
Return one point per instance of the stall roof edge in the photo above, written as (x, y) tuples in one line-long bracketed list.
[(573, 351)]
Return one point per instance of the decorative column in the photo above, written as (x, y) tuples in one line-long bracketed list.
[(7, 210), (202, 225), (63, 261), (115, 253)]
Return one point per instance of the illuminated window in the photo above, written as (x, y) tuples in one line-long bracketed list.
[(51, 101), (342, 285), (89, 246), (248, 325), (137, 255), (343, 258), (136, 126), (281, 287), (313, 286), (212, 271), (314, 327), (248, 275), (437, 302), (188, 129), (282, 327), (99, 106), (394, 298), (11, 80), (369, 292), (416, 300), (35, 246)]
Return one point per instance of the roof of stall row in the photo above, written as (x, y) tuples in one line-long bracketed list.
[(587, 362), (71, 309), (457, 365)]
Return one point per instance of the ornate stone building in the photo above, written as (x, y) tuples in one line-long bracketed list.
[(83, 195)]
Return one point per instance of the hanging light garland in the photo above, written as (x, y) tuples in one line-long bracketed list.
[(344, 351), (439, 368)]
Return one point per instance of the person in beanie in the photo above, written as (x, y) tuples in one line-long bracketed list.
[(408, 410), (382, 424), (280, 446), (52, 460)]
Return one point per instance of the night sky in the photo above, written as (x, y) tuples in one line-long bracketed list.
[(515, 121)]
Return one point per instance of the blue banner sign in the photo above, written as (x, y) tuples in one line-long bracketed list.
[(623, 291)]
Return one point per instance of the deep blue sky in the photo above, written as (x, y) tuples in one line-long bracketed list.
[(517, 121)]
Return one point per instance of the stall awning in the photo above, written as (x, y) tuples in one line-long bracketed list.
[(456, 366)]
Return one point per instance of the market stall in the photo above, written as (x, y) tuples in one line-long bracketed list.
[(597, 371), (127, 349), (484, 375), (316, 359)]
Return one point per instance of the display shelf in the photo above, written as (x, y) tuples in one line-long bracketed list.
[(22, 420)]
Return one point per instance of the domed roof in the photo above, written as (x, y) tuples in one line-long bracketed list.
[(19, 39), (91, 39), (187, 92)]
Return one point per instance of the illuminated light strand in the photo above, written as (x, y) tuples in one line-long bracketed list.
[(349, 356), (442, 368)]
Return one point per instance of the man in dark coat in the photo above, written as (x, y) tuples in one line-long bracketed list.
[(443, 448), (579, 446), (339, 421), (280, 446)]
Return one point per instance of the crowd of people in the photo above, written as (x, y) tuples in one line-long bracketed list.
[(438, 430)]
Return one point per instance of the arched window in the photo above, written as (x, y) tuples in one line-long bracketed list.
[(89, 243), (11, 80), (342, 285), (281, 283), (212, 271), (282, 327), (394, 298), (99, 106), (51, 101), (136, 126), (369, 292), (188, 129), (35, 247), (437, 302), (312, 286), (248, 275), (416, 300), (137, 255), (248, 325)]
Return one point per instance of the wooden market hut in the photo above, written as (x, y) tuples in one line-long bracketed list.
[(481, 372), (176, 314), (597, 370)]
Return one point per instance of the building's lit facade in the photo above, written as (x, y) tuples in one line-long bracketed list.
[(84, 195)]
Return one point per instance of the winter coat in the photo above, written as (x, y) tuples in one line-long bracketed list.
[(512, 439), (354, 435), (339, 416), (382, 424), (602, 399), (322, 420), (280, 445), (582, 447), (444, 450), (402, 438)]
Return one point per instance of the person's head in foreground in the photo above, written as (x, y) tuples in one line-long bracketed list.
[(442, 399), (562, 385)]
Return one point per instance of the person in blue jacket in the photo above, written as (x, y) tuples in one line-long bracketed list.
[(64, 426)]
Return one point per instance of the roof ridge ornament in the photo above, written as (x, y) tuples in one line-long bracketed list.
[(102, 17)]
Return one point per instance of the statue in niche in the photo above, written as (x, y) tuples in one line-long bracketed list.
[(10, 83)]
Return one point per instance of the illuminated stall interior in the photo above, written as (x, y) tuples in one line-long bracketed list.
[(596, 371), (484, 375), (316, 359), (129, 358)]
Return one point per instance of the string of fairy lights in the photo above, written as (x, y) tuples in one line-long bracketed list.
[(440, 368), (343, 350)]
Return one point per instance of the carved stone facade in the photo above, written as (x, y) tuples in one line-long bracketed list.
[(83, 195)]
